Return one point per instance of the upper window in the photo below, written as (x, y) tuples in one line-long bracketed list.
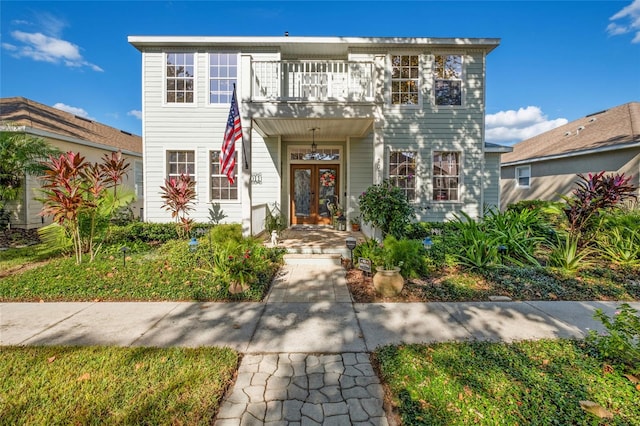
[(402, 172), (181, 163), (223, 74), (180, 78), (446, 176), (405, 72), (523, 176), (448, 80), (221, 188)]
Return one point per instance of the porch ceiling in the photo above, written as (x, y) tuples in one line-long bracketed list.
[(299, 129)]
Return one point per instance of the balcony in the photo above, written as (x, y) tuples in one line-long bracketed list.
[(312, 81)]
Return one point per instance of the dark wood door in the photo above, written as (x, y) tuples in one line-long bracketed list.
[(313, 187)]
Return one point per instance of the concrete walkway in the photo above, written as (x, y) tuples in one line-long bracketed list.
[(306, 347)]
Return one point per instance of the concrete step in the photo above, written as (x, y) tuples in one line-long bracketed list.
[(312, 259)]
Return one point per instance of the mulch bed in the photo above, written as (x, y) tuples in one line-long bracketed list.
[(15, 237), (362, 291)]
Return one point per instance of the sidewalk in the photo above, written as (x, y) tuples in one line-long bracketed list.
[(305, 347)]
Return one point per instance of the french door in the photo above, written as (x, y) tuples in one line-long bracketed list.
[(313, 187)]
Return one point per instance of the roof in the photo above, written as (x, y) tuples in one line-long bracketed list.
[(312, 45), (611, 129), (54, 123)]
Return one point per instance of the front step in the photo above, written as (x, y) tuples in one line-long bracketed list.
[(312, 259)]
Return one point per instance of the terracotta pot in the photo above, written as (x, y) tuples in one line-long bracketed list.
[(355, 227), (388, 282)]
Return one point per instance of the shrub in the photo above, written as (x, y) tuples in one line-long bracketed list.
[(386, 207), (567, 254), (622, 340), (178, 195), (476, 248), (594, 193)]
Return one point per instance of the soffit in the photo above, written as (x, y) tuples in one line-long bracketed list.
[(300, 128)]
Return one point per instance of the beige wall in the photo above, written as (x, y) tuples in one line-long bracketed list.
[(26, 212), (551, 178)]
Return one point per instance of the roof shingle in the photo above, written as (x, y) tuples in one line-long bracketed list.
[(618, 126), (20, 111)]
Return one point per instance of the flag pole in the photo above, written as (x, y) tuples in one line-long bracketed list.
[(244, 152)]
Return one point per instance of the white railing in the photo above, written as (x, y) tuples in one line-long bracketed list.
[(312, 80)]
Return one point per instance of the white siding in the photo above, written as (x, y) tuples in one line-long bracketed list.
[(492, 180), (265, 166)]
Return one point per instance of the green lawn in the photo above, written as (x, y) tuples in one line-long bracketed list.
[(152, 275), (539, 382), (99, 385)]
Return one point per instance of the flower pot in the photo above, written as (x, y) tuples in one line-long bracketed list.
[(355, 227), (388, 282)]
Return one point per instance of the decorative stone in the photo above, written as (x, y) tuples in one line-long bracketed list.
[(388, 282)]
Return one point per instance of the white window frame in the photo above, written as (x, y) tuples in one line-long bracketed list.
[(418, 79), (165, 91), (393, 178), (518, 176), (459, 176), (179, 161), (211, 77), (236, 183), (461, 79)]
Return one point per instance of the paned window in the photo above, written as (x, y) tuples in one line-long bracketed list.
[(139, 179), (181, 162), (221, 188), (448, 79), (446, 176), (405, 79), (402, 172), (523, 176), (223, 74), (180, 78)]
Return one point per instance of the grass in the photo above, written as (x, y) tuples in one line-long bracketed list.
[(99, 385), (540, 382), (155, 275), (17, 257)]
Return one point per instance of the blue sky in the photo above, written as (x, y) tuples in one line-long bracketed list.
[(557, 62)]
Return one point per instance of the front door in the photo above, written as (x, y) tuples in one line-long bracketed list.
[(313, 187)]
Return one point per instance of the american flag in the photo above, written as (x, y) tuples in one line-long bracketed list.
[(232, 133)]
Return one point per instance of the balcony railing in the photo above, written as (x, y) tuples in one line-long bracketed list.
[(313, 80)]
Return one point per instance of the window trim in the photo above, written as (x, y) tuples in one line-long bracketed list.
[(416, 153), (463, 80), (166, 162), (238, 175), (517, 176), (420, 82), (460, 176), (237, 79), (165, 77)]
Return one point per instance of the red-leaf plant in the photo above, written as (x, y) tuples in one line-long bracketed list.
[(594, 193), (76, 196), (178, 195)]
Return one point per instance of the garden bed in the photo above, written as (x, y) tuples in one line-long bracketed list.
[(457, 285)]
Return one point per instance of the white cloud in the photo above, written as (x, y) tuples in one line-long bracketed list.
[(508, 127), (73, 110), (628, 21), (45, 45), (135, 113)]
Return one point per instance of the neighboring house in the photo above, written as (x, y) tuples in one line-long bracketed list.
[(323, 119), (545, 166), (67, 132)]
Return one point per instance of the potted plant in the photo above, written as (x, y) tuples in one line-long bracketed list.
[(355, 223), (388, 281)]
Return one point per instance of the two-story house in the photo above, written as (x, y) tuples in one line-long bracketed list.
[(323, 118)]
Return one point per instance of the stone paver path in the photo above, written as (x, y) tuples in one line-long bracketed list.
[(304, 389)]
